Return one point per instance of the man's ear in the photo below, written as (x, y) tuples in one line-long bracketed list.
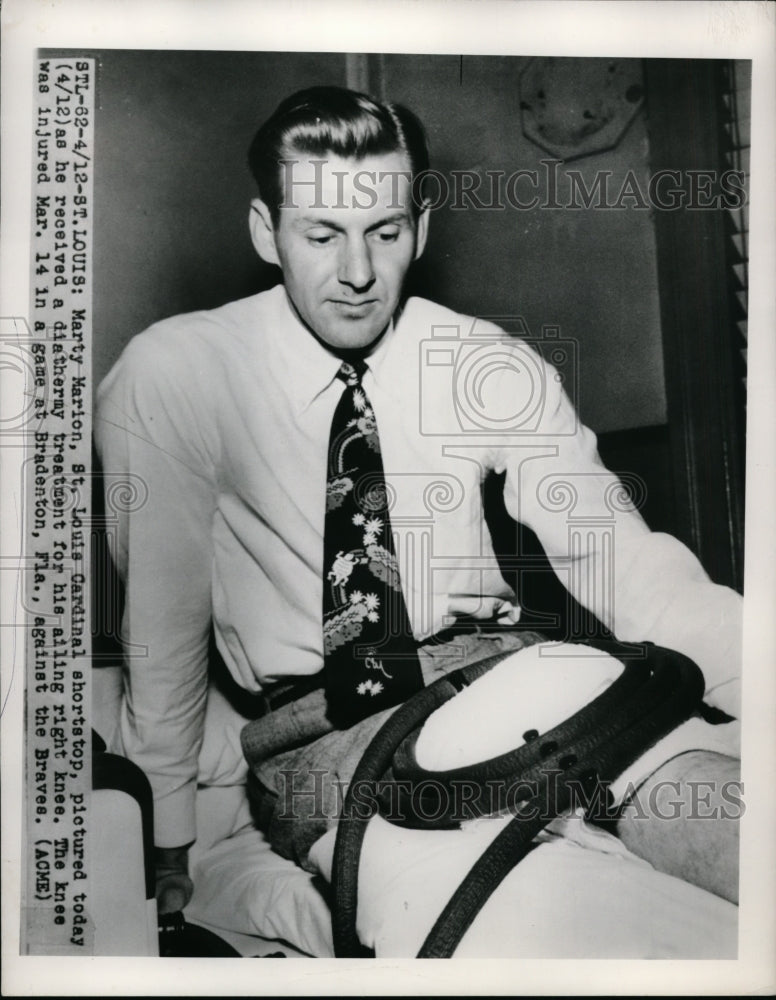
[(421, 230), (263, 232)]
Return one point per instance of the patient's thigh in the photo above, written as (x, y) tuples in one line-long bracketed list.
[(684, 820)]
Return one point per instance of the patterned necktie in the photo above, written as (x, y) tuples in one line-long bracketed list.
[(370, 658)]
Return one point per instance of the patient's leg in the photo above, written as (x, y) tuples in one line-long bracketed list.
[(684, 821)]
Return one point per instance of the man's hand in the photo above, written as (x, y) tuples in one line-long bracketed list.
[(173, 885)]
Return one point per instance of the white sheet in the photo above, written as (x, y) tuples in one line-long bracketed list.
[(242, 887), (580, 894)]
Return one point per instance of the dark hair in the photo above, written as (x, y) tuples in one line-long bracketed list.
[(323, 120)]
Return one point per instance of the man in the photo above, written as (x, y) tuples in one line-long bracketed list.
[(231, 419)]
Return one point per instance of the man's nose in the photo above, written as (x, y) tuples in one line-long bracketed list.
[(355, 265)]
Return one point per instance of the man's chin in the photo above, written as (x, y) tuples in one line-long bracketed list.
[(353, 338), (346, 333)]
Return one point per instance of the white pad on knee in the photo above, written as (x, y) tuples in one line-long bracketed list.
[(535, 688)]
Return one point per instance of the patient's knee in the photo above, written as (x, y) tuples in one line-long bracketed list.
[(684, 821)]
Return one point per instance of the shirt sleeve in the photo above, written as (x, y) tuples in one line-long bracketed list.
[(160, 501), (642, 585)]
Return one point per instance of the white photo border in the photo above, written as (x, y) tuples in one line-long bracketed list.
[(519, 27)]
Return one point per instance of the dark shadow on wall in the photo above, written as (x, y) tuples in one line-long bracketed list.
[(643, 457)]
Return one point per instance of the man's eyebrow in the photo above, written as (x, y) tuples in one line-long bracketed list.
[(311, 223), (390, 220)]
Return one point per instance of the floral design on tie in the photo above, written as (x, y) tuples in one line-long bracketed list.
[(369, 653)]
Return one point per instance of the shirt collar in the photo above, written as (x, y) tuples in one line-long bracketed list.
[(311, 366)]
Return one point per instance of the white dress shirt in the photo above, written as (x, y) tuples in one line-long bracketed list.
[(220, 422)]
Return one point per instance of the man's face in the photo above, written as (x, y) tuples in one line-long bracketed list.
[(345, 240)]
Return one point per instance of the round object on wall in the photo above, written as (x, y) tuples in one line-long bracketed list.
[(573, 107)]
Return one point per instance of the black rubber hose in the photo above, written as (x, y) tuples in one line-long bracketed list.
[(680, 685), (351, 828), (653, 696)]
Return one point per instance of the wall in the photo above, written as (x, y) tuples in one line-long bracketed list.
[(591, 272), (172, 187)]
